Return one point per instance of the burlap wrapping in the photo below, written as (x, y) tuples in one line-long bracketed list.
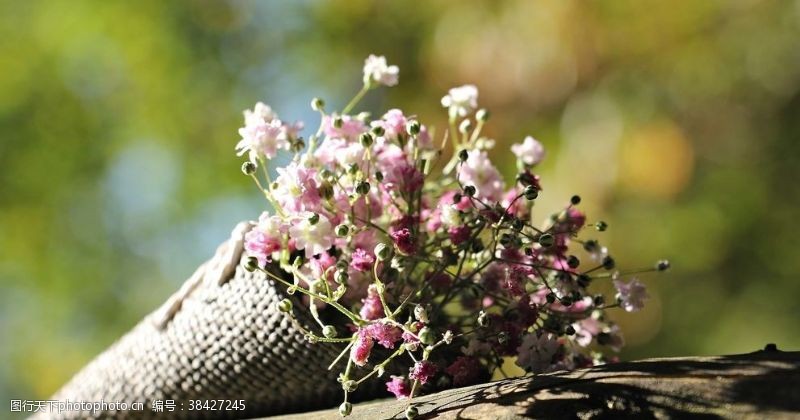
[(219, 337)]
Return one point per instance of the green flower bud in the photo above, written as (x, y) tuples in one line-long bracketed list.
[(363, 188), (547, 240), (285, 306), (531, 193), (601, 226), (251, 264), (345, 409), (427, 336), (342, 230), (329, 331), (469, 190), (413, 128), (463, 154), (317, 104), (573, 261), (379, 176), (575, 200), (383, 252), (608, 263), (465, 126), (248, 168), (313, 219), (482, 115), (412, 412), (377, 130), (325, 191), (483, 319), (663, 265), (338, 122), (341, 276), (366, 139)]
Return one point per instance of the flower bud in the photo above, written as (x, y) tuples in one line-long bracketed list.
[(482, 115), (413, 128), (377, 130), (663, 265), (248, 168), (363, 188), (342, 230), (338, 122), (547, 240), (411, 412), (325, 191), (469, 190), (573, 261), (345, 409), (465, 126), (601, 226), (421, 314), (285, 306), (570, 330), (317, 104), (341, 276), (448, 337), (483, 319), (313, 219), (608, 263), (531, 192), (379, 176), (427, 336), (329, 331), (251, 264), (366, 139), (575, 200), (463, 155), (502, 337), (383, 251)]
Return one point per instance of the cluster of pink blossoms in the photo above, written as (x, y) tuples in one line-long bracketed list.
[(429, 269)]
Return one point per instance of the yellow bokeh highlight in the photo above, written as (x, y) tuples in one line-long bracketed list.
[(657, 160)]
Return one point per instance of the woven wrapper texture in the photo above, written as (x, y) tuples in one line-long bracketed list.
[(219, 337)]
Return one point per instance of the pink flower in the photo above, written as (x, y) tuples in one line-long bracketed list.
[(537, 351), (529, 152), (399, 386), (360, 351), (393, 124), (372, 308), (350, 130), (314, 237), (385, 334), (459, 234), (403, 177), (479, 172), (264, 238), (403, 241), (362, 260), (296, 188), (465, 371), (631, 296), (423, 371)]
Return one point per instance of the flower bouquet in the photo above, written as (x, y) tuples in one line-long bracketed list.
[(424, 271)]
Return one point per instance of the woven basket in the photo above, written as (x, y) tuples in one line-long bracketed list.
[(219, 337)]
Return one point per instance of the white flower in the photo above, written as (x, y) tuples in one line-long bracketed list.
[(536, 352), (461, 100), (376, 70), (315, 238), (530, 152), (479, 172), (450, 215), (263, 133), (631, 296)]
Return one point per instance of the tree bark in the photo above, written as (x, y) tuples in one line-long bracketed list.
[(763, 384)]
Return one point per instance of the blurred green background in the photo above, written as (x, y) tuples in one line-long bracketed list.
[(678, 122)]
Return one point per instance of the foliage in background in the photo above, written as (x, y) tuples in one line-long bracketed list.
[(116, 175)]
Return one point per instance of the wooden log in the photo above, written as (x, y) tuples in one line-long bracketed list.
[(760, 385)]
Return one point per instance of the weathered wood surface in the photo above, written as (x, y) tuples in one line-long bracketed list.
[(760, 385)]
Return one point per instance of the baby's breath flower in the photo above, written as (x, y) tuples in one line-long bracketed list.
[(461, 100), (377, 71)]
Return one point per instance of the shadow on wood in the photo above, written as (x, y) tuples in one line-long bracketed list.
[(763, 384)]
